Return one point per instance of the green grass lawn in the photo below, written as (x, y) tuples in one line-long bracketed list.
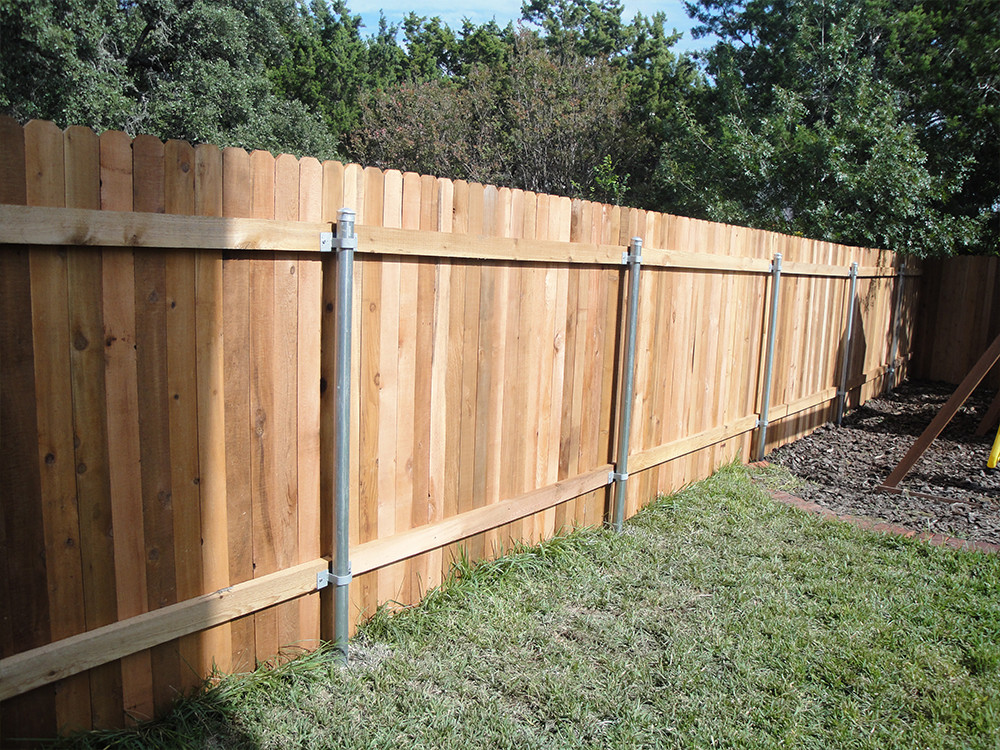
[(717, 619)]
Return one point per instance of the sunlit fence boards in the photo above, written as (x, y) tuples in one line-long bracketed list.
[(163, 392)]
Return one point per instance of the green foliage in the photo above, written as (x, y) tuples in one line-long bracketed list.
[(608, 186), (535, 122), (656, 81), (873, 122), (66, 61), (326, 64), (539, 108), (190, 69), (812, 128)]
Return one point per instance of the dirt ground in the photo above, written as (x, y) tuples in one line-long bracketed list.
[(842, 466)]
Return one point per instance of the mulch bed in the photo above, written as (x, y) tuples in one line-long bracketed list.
[(841, 467)]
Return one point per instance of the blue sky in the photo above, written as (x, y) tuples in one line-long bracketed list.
[(481, 11)]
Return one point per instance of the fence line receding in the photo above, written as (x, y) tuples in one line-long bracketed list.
[(164, 399)]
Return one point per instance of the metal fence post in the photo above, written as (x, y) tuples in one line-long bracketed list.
[(339, 574), (842, 392), (897, 314), (620, 474), (772, 325)]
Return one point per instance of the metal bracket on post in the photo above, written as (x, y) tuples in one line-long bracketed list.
[(328, 242), (327, 578), (842, 391), (765, 404), (620, 476)]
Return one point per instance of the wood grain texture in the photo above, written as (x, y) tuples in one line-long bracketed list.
[(87, 362), (86, 650), (309, 349), (122, 400), (45, 176), (284, 507), (148, 194), (182, 391), (264, 423), (216, 644), (87, 228), (236, 202), (23, 584), (180, 396)]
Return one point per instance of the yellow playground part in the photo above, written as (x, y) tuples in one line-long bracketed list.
[(994, 452)]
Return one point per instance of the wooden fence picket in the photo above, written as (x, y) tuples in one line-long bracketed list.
[(166, 397)]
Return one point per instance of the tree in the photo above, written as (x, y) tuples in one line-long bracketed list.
[(66, 61), (944, 56), (536, 123), (811, 128), (563, 116), (326, 64), (191, 69), (657, 80)]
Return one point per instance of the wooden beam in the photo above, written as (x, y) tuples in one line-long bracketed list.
[(886, 272), (799, 268), (794, 407), (29, 225), (390, 241), (68, 656), (381, 552), (959, 397), (683, 259), (651, 457)]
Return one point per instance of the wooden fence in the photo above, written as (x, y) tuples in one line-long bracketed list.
[(163, 418), (959, 317)]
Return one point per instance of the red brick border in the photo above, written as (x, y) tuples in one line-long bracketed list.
[(935, 540)]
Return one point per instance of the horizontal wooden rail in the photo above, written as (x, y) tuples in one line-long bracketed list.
[(73, 227), (683, 259), (388, 241), (40, 666), (802, 404), (68, 656), (410, 242), (30, 225), (651, 457), (382, 552)]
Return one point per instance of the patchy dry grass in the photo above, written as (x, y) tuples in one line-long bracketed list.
[(717, 619)]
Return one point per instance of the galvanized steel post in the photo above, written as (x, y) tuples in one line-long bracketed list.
[(897, 314), (765, 403), (347, 242), (339, 574), (620, 475), (842, 391)]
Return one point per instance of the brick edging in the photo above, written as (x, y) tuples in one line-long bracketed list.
[(935, 540)]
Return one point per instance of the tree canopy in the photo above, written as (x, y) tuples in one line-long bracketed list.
[(872, 122)]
